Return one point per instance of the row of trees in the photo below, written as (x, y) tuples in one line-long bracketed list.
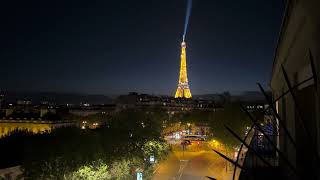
[(231, 115), (114, 151)]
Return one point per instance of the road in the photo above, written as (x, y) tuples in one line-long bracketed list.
[(195, 163)]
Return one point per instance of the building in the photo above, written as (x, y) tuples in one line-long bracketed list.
[(7, 126), (170, 104), (297, 51), (24, 102), (93, 109), (183, 90), (31, 118), (293, 149)]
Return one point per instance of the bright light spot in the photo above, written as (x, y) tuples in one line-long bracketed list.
[(177, 135), (235, 155), (139, 175), (152, 158)]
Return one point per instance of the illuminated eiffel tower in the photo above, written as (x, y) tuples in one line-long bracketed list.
[(183, 90)]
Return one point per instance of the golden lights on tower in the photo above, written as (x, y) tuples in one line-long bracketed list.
[(183, 90)]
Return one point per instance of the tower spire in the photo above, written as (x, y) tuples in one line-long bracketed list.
[(183, 90)]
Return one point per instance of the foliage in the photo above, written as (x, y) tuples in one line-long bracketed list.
[(158, 149), (231, 115), (99, 117), (73, 152), (120, 169), (96, 171)]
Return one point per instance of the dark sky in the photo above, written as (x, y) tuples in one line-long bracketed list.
[(113, 46)]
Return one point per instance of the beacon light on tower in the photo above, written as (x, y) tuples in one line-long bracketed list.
[(183, 44)]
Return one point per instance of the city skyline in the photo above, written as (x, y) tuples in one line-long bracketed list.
[(110, 48)]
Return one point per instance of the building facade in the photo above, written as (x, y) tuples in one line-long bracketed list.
[(297, 55)]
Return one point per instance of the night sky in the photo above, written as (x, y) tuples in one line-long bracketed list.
[(113, 46)]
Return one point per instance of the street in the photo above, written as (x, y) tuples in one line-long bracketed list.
[(195, 163)]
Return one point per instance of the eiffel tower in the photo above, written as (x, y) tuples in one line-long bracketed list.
[(183, 90)]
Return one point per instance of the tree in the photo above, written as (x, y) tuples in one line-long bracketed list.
[(95, 171), (120, 169), (233, 117)]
